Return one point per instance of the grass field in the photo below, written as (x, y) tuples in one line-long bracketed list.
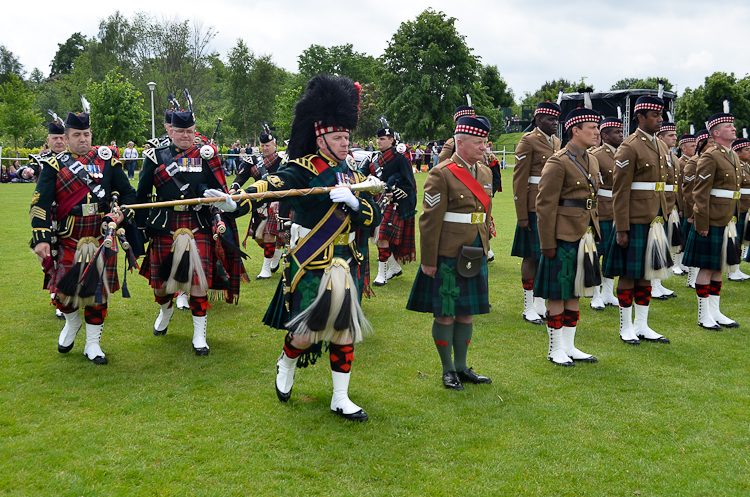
[(653, 420)]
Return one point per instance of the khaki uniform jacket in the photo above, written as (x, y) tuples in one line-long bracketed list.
[(672, 174), (562, 179), (715, 169), (681, 202), (606, 159), (745, 183), (443, 192), (531, 154), (637, 159), (688, 178)]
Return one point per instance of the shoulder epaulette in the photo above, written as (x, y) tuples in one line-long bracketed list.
[(154, 142), (150, 154), (164, 144), (359, 176), (305, 163), (559, 153), (51, 162)]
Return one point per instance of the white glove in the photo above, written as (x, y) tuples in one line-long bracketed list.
[(227, 205), (346, 196)]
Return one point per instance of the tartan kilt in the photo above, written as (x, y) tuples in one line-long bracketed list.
[(470, 296), (304, 293), (83, 226), (627, 262), (704, 251), (161, 246), (526, 242), (272, 224), (546, 284), (400, 235), (605, 227)]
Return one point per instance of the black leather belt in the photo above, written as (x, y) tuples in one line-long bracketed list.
[(586, 203)]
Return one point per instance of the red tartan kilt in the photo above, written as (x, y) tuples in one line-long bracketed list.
[(493, 230), (84, 226), (400, 235), (272, 225), (161, 246)]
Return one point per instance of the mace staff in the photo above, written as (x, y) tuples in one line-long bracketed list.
[(371, 184)]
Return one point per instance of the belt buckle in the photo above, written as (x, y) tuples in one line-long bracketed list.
[(736, 196), (181, 208), (476, 217), (659, 186), (89, 209), (589, 203), (342, 239)]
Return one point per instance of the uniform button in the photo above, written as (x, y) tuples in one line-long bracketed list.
[(646, 165), (543, 157), (610, 170), (592, 194), (578, 182), (462, 196)]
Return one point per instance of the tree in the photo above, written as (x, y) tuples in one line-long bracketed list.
[(339, 60), (650, 83), (238, 90), (17, 116), (9, 65), (550, 90), (496, 87), (428, 70), (285, 102), (370, 109), (698, 105), (67, 53), (117, 111)]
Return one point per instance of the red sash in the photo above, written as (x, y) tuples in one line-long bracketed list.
[(319, 164), (471, 183)]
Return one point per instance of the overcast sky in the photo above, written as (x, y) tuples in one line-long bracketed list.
[(530, 41)]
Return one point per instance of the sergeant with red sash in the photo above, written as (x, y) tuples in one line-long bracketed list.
[(82, 182), (318, 298), (183, 256), (451, 283)]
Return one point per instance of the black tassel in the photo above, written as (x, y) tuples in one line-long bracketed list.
[(69, 282), (311, 355), (656, 260), (98, 296), (124, 287), (343, 320), (668, 257), (90, 280), (318, 317), (733, 252), (678, 237), (166, 267), (182, 274)]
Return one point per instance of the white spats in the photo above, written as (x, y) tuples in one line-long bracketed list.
[(714, 306), (597, 303), (540, 307), (692, 276), (200, 323), (627, 333), (265, 271), (340, 403), (568, 343), (393, 268), (93, 350), (162, 320), (705, 319), (382, 278), (285, 368), (529, 313), (276, 258), (608, 296), (182, 301), (556, 352), (641, 328), (70, 330)]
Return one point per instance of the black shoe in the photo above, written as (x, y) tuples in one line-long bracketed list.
[(274, 269), (532, 321), (468, 375), (99, 360), (360, 415), (451, 380), (201, 351), (158, 333), (655, 340), (65, 350)]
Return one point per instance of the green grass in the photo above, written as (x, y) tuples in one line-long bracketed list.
[(653, 420)]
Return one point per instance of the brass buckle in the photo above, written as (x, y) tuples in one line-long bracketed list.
[(89, 209), (659, 186), (736, 196), (342, 239), (181, 208), (589, 203), (477, 217)]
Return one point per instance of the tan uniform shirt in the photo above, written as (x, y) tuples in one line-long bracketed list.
[(443, 192), (718, 168), (640, 158), (672, 173), (563, 179), (606, 158), (688, 178), (531, 154)]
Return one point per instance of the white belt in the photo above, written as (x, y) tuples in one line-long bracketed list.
[(471, 218), (659, 186), (745, 191), (534, 180), (725, 193), (299, 232), (605, 193), (668, 188)]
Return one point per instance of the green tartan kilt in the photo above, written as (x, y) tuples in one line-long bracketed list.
[(448, 293), (704, 251), (627, 262), (547, 284), (304, 294), (605, 227), (741, 227), (526, 242)]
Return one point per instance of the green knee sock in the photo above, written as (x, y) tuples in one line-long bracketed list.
[(443, 336), (461, 340)]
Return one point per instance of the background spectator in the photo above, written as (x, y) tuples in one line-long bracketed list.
[(130, 155)]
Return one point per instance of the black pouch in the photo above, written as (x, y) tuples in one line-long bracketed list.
[(469, 261)]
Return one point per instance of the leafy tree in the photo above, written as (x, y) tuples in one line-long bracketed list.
[(370, 109), (339, 60), (428, 70), (117, 109), (9, 65), (17, 115), (698, 105), (285, 102), (496, 87), (36, 77), (650, 83), (238, 89), (550, 90), (67, 53)]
